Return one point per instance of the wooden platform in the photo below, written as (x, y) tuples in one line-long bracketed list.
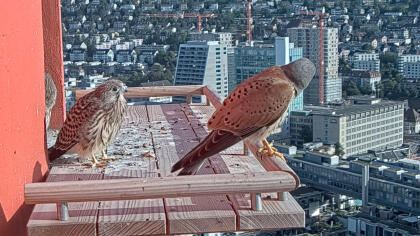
[(153, 138)]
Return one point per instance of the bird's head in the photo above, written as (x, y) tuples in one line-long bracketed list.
[(300, 72), (113, 90)]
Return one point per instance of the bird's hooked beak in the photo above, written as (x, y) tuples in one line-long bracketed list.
[(125, 88)]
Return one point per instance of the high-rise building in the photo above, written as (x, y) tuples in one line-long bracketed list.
[(308, 39), (254, 58), (203, 63), (221, 37)]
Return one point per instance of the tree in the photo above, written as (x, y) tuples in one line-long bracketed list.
[(350, 88), (167, 59), (339, 150)]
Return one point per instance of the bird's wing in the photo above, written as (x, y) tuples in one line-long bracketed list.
[(78, 116), (257, 102)]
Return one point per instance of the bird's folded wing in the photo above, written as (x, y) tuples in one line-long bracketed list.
[(255, 103), (79, 115)]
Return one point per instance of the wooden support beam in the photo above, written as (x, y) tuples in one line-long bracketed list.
[(145, 188), (272, 163), (159, 91), (211, 97)]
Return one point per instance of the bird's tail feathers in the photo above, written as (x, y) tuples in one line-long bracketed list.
[(55, 153), (215, 142)]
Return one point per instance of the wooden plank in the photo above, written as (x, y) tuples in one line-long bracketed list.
[(160, 91), (133, 217), (249, 219), (211, 97), (145, 188), (82, 221), (189, 214)]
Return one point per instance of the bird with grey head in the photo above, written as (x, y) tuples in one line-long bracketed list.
[(253, 110)]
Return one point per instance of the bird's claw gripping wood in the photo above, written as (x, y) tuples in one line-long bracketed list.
[(96, 163), (106, 158), (269, 150)]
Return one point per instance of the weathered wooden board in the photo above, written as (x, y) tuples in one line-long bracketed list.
[(133, 217), (82, 215), (191, 214)]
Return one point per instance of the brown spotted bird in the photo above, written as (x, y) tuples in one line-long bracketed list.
[(50, 96), (92, 123), (252, 111)]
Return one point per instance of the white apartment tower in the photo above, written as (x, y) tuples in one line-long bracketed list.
[(203, 63), (308, 39)]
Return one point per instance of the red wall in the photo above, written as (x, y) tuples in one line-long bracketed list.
[(22, 145), (53, 57)]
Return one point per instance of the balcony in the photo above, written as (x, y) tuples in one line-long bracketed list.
[(236, 190)]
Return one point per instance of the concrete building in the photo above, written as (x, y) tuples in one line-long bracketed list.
[(126, 56), (388, 184), (363, 78), (203, 63), (221, 37), (252, 59), (103, 55), (381, 222), (366, 61), (300, 127), (78, 54), (366, 124), (411, 122), (409, 66), (308, 39)]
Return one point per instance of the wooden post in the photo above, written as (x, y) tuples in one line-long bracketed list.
[(63, 211), (189, 98), (256, 201), (282, 196)]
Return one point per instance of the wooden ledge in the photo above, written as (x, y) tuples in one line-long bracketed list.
[(160, 91), (162, 187)]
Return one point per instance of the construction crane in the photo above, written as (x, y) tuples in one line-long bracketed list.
[(185, 15), (320, 50)]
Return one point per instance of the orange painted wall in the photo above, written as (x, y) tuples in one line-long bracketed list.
[(53, 57), (22, 140)]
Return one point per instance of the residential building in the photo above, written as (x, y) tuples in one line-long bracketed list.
[(308, 39), (126, 56), (152, 48), (203, 63), (409, 66), (103, 55), (366, 61), (366, 124), (78, 54), (221, 37), (411, 122), (368, 79)]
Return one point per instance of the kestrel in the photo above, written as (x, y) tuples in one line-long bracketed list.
[(252, 111), (92, 123), (50, 96)]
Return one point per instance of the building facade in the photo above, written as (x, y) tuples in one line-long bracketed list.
[(203, 63), (221, 37), (308, 39), (366, 124), (368, 79), (252, 59), (409, 66), (366, 62)]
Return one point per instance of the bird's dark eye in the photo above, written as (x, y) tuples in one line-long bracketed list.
[(115, 89)]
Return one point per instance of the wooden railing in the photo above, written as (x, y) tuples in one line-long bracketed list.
[(279, 177)]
